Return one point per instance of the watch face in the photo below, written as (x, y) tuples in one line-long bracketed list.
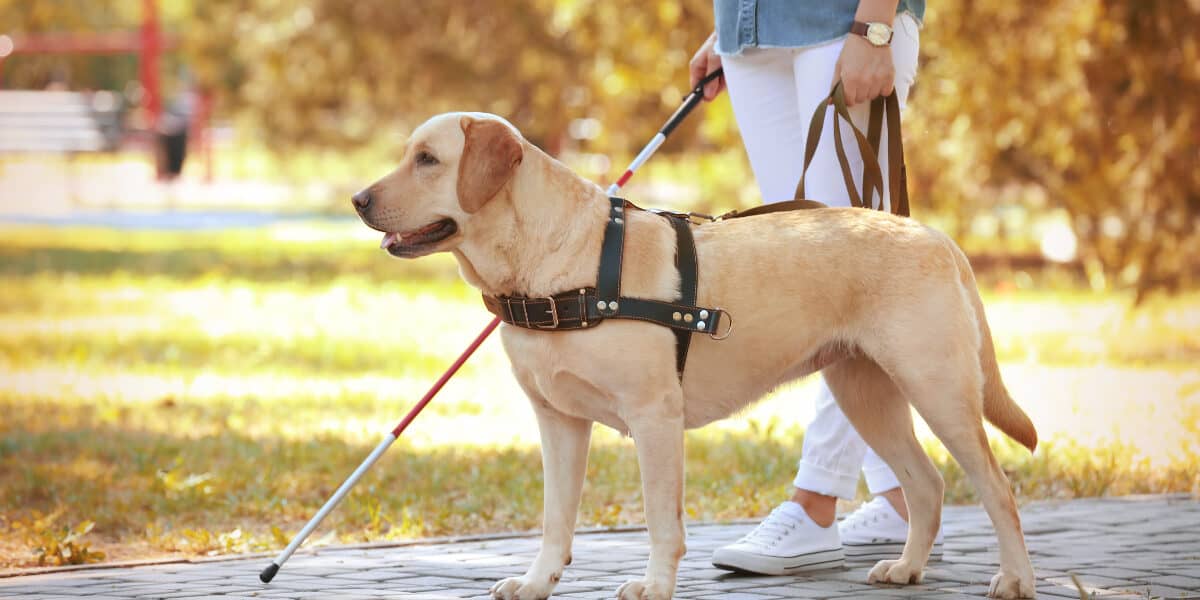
[(879, 34)]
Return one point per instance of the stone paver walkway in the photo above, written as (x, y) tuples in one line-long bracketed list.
[(1143, 547)]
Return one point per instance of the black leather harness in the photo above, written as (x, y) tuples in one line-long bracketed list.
[(588, 307)]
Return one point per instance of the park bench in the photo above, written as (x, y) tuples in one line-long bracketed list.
[(42, 134), (59, 122)]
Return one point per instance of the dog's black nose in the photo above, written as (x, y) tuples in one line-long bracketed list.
[(362, 200)]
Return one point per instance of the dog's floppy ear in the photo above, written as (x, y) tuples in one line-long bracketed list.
[(490, 155)]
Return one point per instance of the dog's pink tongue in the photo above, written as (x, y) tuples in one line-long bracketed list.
[(388, 239)]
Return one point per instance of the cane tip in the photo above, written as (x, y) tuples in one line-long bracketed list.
[(269, 573)]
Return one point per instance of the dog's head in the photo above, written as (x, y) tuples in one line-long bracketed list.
[(452, 166)]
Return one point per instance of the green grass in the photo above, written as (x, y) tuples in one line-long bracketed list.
[(205, 392)]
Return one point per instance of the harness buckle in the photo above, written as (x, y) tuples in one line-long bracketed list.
[(553, 315)]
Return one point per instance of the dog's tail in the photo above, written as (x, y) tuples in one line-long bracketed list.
[(998, 406)]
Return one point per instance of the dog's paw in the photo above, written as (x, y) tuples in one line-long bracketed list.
[(1010, 586), (519, 588), (642, 590), (895, 571)]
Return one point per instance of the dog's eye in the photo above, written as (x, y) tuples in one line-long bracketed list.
[(426, 159)]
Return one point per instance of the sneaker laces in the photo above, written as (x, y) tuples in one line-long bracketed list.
[(867, 514), (771, 530)]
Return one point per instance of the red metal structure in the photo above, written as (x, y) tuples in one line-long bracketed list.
[(151, 42), (148, 43)]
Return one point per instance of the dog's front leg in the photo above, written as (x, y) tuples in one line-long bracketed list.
[(659, 441), (564, 463)]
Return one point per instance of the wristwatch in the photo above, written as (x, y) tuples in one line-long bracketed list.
[(879, 34)]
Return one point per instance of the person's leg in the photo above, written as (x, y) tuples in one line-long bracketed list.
[(830, 442), (763, 96), (774, 134), (881, 481), (768, 89), (763, 93)]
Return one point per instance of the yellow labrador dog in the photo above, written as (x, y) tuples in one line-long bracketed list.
[(886, 307)]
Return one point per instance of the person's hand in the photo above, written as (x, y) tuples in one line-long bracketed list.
[(865, 70), (704, 62)]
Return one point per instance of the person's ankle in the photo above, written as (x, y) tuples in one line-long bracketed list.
[(821, 509), (895, 497)]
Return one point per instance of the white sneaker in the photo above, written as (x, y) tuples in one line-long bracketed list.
[(786, 542), (877, 531)]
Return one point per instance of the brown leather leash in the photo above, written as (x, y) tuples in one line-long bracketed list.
[(868, 147), (585, 308)]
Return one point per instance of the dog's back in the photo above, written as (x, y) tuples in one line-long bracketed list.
[(821, 279)]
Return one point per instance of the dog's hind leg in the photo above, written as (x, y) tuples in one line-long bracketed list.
[(946, 388), (881, 415), (564, 464), (966, 440)]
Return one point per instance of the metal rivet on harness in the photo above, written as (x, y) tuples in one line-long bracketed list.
[(617, 220), (612, 305), (619, 209), (700, 325), (676, 316), (582, 292), (688, 318), (601, 304), (704, 314)]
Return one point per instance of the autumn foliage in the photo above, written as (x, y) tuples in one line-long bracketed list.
[(1087, 108)]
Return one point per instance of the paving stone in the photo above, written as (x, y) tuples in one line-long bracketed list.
[(1179, 581), (740, 596), (1165, 591), (1120, 548)]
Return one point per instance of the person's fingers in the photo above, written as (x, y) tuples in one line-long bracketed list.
[(880, 82), (887, 75), (714, 87), (699, 63), (875, 91), (696, 69), (852, 87), (870, 88)]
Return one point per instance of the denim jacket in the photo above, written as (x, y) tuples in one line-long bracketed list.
[(789, 23)]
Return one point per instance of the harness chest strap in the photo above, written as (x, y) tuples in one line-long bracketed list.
[(587, 307)]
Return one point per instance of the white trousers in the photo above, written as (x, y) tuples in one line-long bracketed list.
[(774, 92)]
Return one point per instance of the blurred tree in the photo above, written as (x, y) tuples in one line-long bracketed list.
[(327, 72), (35, 71), (106, 19), (1095, 104), (1088, 106)]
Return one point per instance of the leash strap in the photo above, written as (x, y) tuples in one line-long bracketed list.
[(897, 177), (868, 146)]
